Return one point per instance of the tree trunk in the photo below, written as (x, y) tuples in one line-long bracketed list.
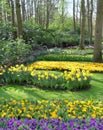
[(14, 33), (0, 12), (23, 10), (97, 57), (8, 12), (88, 19), (62, 18), (47, 13), (36, 11), (90, 15), (82, 29), (31, 9), (39, 12), (91, 23), (74, 22), (19, 21), (12, 12), (77, 11)]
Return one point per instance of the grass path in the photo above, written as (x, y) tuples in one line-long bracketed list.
[(22, 92)]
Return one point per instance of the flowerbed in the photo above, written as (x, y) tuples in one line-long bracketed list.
[(44, 109), (75, 80), (51, 124), (55, 65)]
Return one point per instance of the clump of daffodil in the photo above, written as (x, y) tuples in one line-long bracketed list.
[(72, 80)]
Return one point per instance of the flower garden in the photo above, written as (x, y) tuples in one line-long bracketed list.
[(55, 114), (48, 115)]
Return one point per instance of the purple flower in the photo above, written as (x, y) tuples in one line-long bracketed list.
[(51, 124)]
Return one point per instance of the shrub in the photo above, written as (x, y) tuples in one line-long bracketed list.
[(6, 31), (64, 57), (12, 52), (38, 36)]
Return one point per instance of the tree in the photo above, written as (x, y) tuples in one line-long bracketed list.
[(82, 29), (91, 23), (19, 21), (23, 10), (74, 20), (14, 33), (77, 11), (12, 12), (89, 17), (62, 16), (97, 56), (0, 11)]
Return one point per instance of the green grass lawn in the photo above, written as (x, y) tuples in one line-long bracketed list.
[(22, 92)]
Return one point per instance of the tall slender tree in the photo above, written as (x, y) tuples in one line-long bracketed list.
[(90, 17), (12, 12), (14, 33), (47, 13), (63, 9), (0, 11), (82, 28), (23, 10), (91, 22), (19, 20), (74, 18), (77, 11), (97, 57)]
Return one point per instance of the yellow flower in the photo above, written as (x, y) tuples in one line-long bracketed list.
[(3, 115), (53, 114), (101, 117), (19, 111), (79, 79), (84, 109), (44, 116), (89, 102), (85, 78), (94, 115), (24, 109), (14, 101), (28, 116), (70, 109), (73, 116)]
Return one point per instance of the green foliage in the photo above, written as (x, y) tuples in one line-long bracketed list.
[(57, 54), (5, 31), (37, 36), (65, 38), (63, 57), (13, 51)]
